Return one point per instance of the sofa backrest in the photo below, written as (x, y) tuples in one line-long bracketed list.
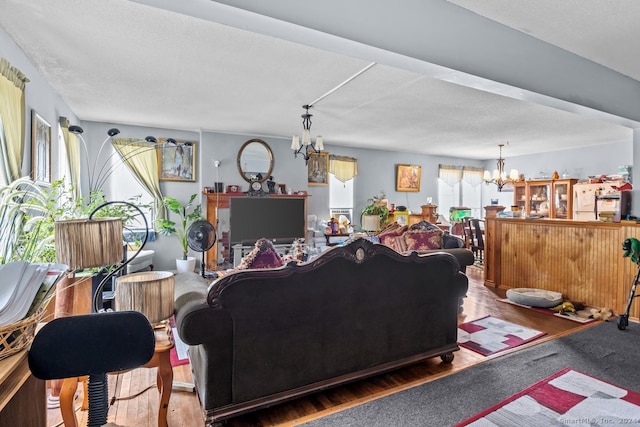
[(352, 308)]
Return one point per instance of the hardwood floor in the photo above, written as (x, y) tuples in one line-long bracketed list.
[(184, 408)]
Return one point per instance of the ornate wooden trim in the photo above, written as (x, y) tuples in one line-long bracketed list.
[(358, 251)]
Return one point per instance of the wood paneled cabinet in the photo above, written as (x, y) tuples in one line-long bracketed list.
[(545, 198)]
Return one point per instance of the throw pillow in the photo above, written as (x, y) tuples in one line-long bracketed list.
[(400, 245), (263, 255), (424, 225), (423, 240), (389, 234)]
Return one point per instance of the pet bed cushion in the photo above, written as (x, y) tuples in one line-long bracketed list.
[(534, 297)]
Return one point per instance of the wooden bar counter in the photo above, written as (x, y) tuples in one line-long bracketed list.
[(581, 259)]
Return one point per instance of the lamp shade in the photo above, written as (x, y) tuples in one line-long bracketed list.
[(149, 292), (88, 243)]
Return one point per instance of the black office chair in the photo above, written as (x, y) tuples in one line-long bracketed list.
[(93, 345)]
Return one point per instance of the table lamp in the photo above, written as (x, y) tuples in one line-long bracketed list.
[(149, 292)]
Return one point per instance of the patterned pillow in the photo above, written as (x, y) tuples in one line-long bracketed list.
[(389, 234), (400, 245), (263, 255), (422, 240)]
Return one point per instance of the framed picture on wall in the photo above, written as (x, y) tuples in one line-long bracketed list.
[(40, 148), (177, 161), (318, 169), (408, 178)]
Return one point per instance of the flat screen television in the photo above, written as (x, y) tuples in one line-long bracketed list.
[(281, 220)]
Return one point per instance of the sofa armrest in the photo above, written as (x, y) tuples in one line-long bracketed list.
[(196, 322), (463, 256)]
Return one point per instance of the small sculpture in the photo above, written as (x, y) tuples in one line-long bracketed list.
[(271, 185), (631, 248)]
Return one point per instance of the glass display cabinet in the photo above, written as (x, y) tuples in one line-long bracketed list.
[(520, 197), (538, 198), (545, 198), (562, 206)]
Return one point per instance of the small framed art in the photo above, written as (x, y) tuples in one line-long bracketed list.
[(408, 178), (318, 169), (177, 161), (40, 148)]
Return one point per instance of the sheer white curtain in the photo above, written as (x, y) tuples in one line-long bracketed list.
[(451, 175), (472, 175)]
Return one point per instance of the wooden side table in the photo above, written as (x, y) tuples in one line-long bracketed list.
[(161, 359)]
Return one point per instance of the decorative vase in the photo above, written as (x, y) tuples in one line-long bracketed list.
[(186, 265)]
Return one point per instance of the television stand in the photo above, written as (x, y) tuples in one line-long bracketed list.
[(240, 250), (216, 201)]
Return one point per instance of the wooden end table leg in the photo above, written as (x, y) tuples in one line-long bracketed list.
[(165, 384), (67, 393)]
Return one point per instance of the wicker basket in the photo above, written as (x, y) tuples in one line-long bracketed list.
[(19, 335)]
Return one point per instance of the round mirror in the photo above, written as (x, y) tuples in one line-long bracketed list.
[(255, 159)]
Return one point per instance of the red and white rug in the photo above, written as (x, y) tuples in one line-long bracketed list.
[(565, 398), (490, 335), (178, 354)]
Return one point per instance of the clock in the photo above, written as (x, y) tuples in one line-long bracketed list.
[(255, 189)]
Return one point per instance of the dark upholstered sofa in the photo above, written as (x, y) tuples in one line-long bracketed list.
[(259, 337)]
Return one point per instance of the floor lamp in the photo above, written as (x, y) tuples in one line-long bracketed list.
[(90, 243), (95, 242)]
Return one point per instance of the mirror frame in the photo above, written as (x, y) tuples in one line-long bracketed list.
[(259, 141)]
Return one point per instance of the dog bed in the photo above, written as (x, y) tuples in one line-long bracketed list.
[(534, 297)]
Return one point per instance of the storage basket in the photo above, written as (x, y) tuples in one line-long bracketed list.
[(19, 335)]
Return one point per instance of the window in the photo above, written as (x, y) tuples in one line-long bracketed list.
[(340, 198), (122, 185), (460, 186)]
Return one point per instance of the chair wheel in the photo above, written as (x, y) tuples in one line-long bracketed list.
[(623, 322)]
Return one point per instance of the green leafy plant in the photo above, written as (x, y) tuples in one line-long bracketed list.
[(27, 215), (187, 214), (28, 211), (377, 206)]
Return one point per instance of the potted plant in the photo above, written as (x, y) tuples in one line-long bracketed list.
[(375, 212), (187, 214)]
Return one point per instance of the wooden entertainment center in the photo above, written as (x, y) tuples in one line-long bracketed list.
[(217, 201)]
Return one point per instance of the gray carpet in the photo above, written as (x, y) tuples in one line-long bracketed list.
[(601, 351)]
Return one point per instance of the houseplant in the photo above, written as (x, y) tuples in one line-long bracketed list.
[(187, 214), (376, 207)]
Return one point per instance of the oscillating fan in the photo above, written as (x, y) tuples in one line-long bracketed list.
[(201, 236)]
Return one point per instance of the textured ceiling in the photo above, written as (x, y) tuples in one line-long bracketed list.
[(126, 62)]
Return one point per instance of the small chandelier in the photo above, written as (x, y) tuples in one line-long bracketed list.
[(307, 145), (499, 177)]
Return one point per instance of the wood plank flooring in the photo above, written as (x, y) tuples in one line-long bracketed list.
[(184, 409)]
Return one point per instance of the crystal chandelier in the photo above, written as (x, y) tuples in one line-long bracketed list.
[(499, 176)]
